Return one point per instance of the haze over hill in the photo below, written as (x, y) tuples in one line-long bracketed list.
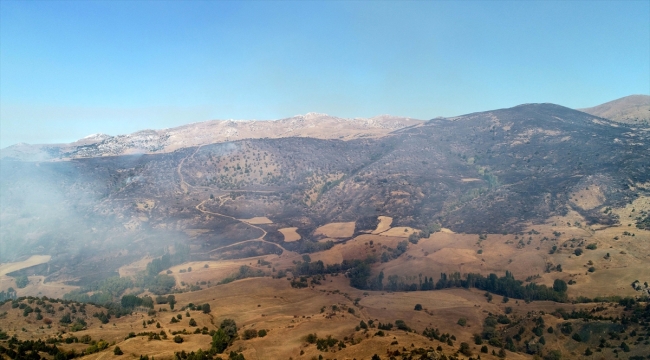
[(633, 109)]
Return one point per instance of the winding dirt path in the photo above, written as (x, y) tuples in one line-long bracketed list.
[(185, 187), (260, 238)]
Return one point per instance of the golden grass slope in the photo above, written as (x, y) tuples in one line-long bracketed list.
[(19, 265), (631, 109), (336, 230), (290, 234)]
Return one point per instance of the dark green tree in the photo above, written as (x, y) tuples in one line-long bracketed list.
[(559, 285), (206, 308)]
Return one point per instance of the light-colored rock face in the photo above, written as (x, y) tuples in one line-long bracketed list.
[(633, 109), (314, 125)]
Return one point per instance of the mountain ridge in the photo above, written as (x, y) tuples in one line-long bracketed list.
[(316, 125)]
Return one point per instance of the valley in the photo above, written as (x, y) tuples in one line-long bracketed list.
[(506, 227)]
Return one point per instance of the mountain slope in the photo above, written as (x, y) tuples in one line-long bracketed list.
[(493, 171), (633, 109)]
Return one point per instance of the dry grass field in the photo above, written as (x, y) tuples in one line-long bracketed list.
[(384, 224), (134, 267), (37, 287), (336, 230), (257, 220), (290, 234), (289, 315), (33, 260), (400, 231)]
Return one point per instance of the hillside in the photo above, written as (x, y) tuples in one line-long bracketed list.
[(485, 172), (633, 110)]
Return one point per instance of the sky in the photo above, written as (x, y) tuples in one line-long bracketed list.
[(70, 69)]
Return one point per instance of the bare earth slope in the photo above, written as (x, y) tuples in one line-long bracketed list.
[(633, 109), (313, 125)]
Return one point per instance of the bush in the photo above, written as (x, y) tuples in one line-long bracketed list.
[(311, 338), (418, 307), (261, 333), (592, 246), (192, 322), (250, 334), (577, 251), (117, 351), (465, 349), (462, 322), (363, 325), (566, 328), (400, 324), (178, 339), (22, 281)]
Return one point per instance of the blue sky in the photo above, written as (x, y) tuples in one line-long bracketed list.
[(69, 69)]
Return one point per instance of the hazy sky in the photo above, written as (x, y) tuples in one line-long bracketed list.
[(69, 69)]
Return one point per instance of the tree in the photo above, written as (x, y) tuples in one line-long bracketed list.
[(400, 324), (418, 307), (117, 351), (206, 308), (465, 349), (65, 319), (192, 322), (566, 328), (236, 356), (363, 325), (130, 301), (250, 334), (22, 281), (229, 327), (171, 299), (559, 285), (220, 341), (625, 347), (553, 355)]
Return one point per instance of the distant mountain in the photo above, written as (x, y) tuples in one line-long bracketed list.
[(314, 125), (633, 109)]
